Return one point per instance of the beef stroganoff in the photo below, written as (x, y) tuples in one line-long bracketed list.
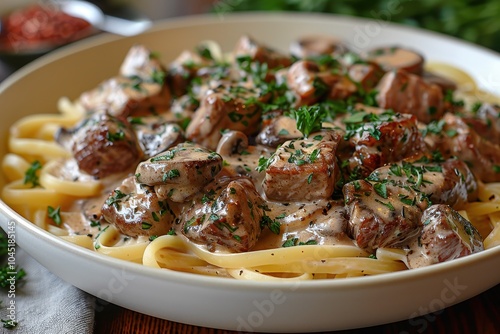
[(256, 164)]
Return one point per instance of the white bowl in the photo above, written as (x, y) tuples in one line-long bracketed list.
[(231, 304)]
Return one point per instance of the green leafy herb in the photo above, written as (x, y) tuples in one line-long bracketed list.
[(309, 118), (291, 242), (116, 198), (380, 189), (171, 174), (10, 274), (54, 214), (273, 225), (8, 324), (115, 136), (264, 163), (168, 155), (31, 174)]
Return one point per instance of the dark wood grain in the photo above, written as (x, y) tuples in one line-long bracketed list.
[(479, 315)]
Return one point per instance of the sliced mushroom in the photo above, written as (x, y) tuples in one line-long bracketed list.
[(156, 136), (317, 45), (232, 142), (445, 236), (397, 58), (280, 130)]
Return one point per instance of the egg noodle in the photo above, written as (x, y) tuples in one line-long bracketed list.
[(31, 138)]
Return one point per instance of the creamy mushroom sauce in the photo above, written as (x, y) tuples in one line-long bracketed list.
[(326, 123)]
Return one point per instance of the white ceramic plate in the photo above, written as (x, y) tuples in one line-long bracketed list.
[(223, 303)]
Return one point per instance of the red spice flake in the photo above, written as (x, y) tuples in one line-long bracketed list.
[(41, 26)]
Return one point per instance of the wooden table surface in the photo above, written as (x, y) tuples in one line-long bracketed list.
[(479, 315)]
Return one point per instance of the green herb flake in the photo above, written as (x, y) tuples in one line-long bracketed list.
[(380, 189), (115, 136), (309, 118), (31, 174), (171, 174), (54, 214)]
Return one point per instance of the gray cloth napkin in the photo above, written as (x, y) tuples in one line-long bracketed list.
[(47, 304)]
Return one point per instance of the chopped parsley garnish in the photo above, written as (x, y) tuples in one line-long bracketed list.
[(309, 118), (54, 214), (171, 174), (435, 127), (380, 189), (204, 52), (291, 242), (116, 198), (115, 136), (264, 163), (273, 225), (168, 155), (31, 174)]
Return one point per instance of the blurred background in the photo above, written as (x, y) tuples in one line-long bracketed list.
[(477, 21)]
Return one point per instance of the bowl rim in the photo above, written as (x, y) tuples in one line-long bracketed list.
[(187, 278)]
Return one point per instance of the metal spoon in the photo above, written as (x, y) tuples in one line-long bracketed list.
[(94, 15)]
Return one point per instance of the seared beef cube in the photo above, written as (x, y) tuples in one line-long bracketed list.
[(102, 145), (228, 215), (444, 83), (304, 169), (179, 172), (183, 69), (449, 182), (445, 236), (377, 215), (248, 47), (123, 97), (140, 88), (340, 86), (385, 209), (486, 122), (459, 140), (366, 75), (408, 93), (140, 62), (397, 58), (310, 83), (303, 79), (381, 139), (227, 107), (136, 210)]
